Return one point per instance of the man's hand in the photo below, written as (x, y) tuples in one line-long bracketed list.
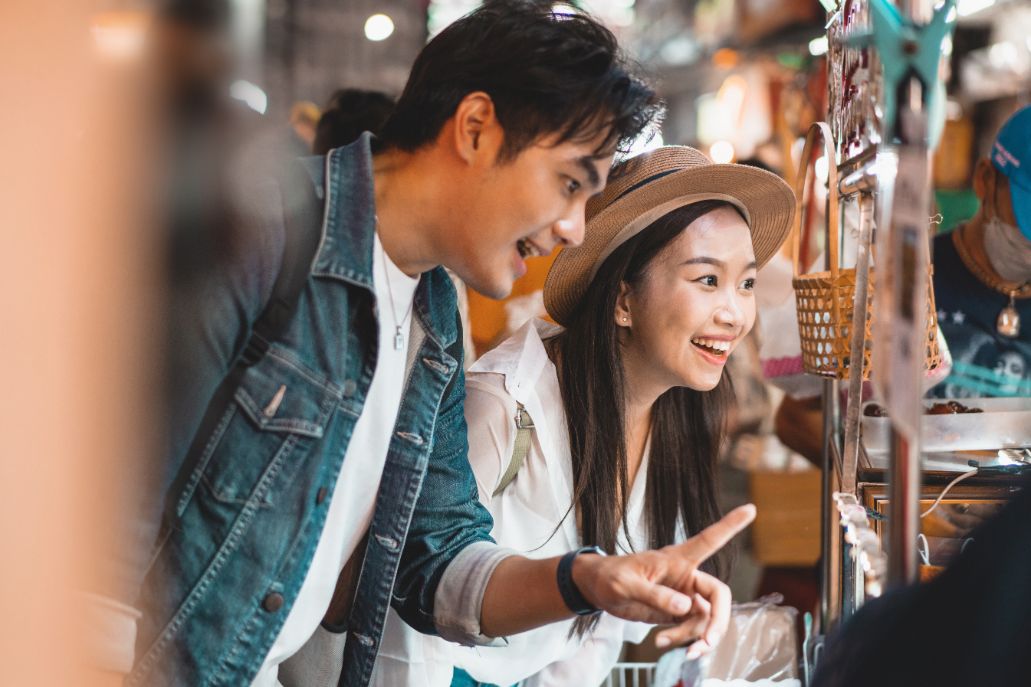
[(662, 587), (666, 587)]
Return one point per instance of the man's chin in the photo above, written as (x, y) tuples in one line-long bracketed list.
[(490, 281), (498, 292), (496, 289)]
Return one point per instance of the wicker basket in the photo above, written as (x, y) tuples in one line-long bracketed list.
[(825, 301)]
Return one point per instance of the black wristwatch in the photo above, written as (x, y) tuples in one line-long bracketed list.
[(574, 600)]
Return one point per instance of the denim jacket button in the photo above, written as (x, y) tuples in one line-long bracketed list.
[(349, 388), (273, 602), (321, 496)]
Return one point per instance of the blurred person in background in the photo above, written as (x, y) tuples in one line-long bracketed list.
[(321, 474), (350, 112), (304, 117), (982, 282)]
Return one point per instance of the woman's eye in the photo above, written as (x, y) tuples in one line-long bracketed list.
[(572, 186), (708, 280), (748, 284)]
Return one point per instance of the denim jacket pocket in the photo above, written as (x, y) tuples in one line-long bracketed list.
[(279, 411)]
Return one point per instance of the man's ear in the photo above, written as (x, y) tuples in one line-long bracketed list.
[(476, 133), (984, 181)]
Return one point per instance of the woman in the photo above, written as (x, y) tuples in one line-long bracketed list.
[(606, 433)]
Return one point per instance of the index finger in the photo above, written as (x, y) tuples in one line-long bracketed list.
[(715, 536)]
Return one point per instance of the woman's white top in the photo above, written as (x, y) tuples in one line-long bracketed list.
[(525, 514)]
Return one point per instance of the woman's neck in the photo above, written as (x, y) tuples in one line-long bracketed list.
[(638, 428), (637, 416)]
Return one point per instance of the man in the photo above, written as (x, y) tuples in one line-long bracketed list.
[(335, 476), (982, 282)]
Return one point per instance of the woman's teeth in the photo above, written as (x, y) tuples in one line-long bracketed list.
[(527, 249), (713, 346)]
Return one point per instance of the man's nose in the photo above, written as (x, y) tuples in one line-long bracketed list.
[(570, 230)]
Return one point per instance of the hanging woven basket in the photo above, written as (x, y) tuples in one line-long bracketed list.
[(825, 301)]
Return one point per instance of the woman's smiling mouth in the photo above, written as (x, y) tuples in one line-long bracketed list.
[(713, 350)]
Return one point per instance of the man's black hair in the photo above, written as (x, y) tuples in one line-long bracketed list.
[(547, 73), (351, 111)]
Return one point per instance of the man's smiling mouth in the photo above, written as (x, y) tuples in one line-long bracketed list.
[(527, 249)]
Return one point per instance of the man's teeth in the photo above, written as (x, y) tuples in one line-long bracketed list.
[(718, 347), (527, 249)]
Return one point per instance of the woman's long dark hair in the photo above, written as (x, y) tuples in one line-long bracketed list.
[(688, 426)]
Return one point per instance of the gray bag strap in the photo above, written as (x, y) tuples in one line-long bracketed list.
[(524, 434)]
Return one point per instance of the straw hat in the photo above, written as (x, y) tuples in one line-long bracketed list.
[(651, 185)]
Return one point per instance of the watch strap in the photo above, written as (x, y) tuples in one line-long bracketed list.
[(571, 595)]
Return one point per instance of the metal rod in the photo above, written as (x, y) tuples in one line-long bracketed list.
[(868, 154), (907, 259), (904, 521), (830, 529), (857, 348), (849, 576), (863, 180)]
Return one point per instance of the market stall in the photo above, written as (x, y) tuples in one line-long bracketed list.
[(906, 480)]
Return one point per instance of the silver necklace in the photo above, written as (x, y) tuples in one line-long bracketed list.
[(399, 339)]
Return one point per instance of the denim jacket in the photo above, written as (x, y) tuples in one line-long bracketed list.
[(240, 534)]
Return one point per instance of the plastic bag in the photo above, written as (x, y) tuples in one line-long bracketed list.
[(758, 649)]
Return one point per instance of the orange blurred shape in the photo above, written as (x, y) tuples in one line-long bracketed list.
[(725, 58), (488, 319), (120, 35)]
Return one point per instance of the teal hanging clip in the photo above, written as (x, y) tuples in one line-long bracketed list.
[(906, 49)]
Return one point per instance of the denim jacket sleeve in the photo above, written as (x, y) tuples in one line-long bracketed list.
[(448, 515)]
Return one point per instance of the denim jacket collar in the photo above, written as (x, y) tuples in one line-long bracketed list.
[(348, 231), (349, 223)]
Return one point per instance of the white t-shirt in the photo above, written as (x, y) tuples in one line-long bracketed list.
[(525, 515), (354, 496)]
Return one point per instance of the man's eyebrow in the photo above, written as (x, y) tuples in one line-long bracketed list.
[(586, 162)]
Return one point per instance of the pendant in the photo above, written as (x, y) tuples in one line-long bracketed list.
[(1008, 322), (399, 340)]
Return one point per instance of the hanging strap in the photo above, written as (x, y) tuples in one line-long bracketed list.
[(524, 434), (301, 188), (303, 214)]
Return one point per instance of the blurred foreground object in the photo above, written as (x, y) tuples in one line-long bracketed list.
[(78, 274)]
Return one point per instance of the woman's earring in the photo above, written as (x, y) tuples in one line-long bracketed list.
[(625, 318)]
